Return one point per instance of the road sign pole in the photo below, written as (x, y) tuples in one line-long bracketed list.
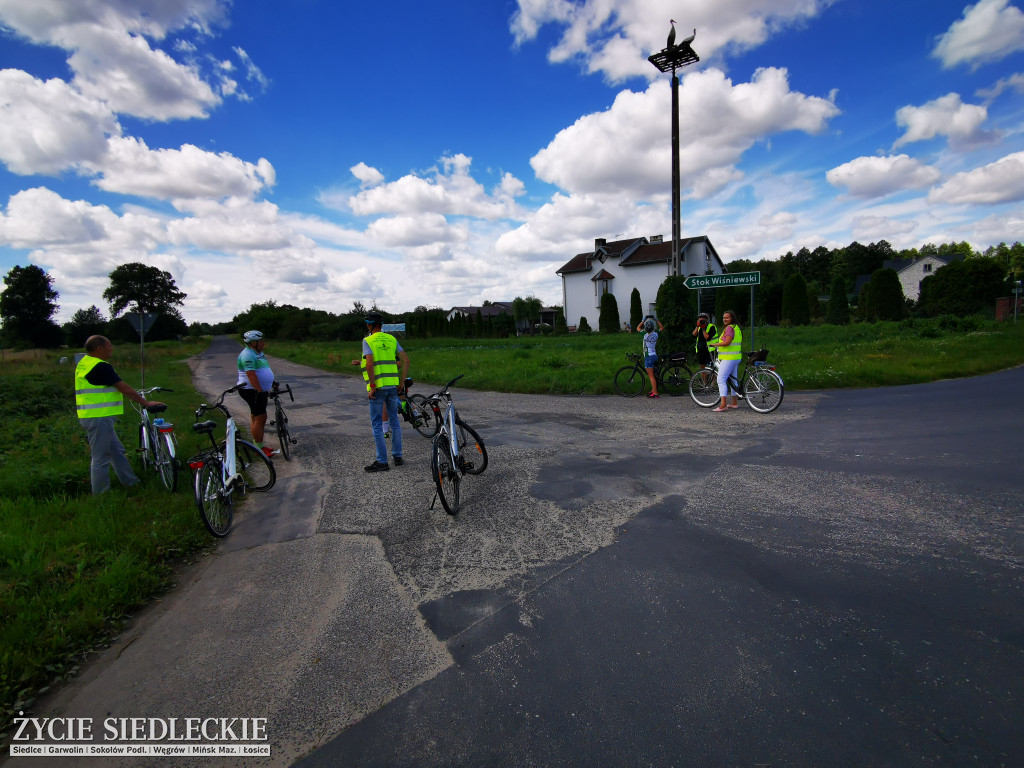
[(751, 318)]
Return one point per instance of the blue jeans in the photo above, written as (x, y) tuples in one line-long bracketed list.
[(107, 451), (386, 396)]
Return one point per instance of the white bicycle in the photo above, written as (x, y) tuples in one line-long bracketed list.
[(457, 450), (235, 465), (157, 443)]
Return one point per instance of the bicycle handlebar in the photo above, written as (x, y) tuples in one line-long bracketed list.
[(218, 405), (276, 391), (443, 392)]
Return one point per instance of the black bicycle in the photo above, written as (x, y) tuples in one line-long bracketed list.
[(671, 372), (417, 411), (280, 420)]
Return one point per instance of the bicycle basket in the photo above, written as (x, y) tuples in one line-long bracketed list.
[(758, 357)]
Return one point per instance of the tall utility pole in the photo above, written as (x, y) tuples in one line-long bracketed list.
[(675, 56)]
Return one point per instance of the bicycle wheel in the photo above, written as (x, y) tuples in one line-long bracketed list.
[(630, 381), (281, 422), (764, 390), (144, 456), (425, 421), (446, 476), (166, 464), (216, 503), (704, 388), (253, 465), (472, 452), (675, 379)]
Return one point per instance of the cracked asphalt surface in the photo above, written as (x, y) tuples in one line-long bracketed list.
[(630, 582)]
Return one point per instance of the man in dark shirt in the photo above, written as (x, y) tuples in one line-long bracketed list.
[(99, 394)]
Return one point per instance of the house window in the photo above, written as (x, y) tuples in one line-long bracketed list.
[(602, 289), (926, 267)]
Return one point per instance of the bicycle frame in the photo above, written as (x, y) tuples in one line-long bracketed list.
[(150, 433)]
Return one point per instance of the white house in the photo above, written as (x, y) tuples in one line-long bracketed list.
[(912, 271), (623, 265)]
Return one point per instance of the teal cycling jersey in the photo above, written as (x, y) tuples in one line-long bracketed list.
[(251, 360)]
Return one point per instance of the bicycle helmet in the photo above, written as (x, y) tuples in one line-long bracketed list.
[(704, 315), (374, 318), (649, 325), (251, 336)]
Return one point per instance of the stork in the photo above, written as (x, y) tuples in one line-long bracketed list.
[(672, 34)]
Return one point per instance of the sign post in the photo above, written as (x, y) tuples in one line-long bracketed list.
[(142, 322), (737, 279)]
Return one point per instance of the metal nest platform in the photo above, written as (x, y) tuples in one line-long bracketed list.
[(676, 57)]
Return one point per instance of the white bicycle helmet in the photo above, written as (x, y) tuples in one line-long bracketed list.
[(250, 336)]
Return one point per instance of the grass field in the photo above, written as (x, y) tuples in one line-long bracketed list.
[(74, 566), (811, 357)]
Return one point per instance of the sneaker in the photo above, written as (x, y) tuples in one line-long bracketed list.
[(377, 467), (387, 435), (654, 394), (269, 452), (399, 461)]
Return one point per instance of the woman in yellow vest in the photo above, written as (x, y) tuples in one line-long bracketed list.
[(730, 350), (99, 400)]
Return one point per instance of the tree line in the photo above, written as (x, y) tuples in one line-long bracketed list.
[(790, 293)]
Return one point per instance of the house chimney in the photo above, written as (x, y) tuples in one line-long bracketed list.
[(657, 239), (598, 242)]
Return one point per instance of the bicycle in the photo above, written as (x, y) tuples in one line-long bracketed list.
[(157, 442), (233, 465), (758, 384), (416, 411), (280, 420), (671, 372), (457, 451)]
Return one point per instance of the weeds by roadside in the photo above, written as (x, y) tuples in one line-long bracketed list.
[(74, 566)]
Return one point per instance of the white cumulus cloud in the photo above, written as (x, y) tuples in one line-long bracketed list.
[(879, 176), (46, 127), (627, 149), (998, 182), (988, 31), (945, 116)]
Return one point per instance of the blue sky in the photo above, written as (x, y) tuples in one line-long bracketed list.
[(446, 152)]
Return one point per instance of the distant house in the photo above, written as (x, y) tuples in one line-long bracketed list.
[(495, 308), (912, 271), (620, 266)]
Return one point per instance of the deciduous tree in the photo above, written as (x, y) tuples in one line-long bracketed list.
[(27, 305)]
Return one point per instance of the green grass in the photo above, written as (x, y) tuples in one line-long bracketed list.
[(810, 357), (73, 566)]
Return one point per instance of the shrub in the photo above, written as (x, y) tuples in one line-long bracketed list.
[(608, 320)]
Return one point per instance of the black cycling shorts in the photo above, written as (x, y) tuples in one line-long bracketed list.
[(257, 401)]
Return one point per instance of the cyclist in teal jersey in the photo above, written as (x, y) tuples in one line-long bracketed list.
[(255, 378)]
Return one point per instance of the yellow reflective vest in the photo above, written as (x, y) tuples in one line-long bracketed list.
[(91, 401), (734, 350), (384, 349)]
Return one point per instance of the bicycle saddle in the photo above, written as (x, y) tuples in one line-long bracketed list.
[(204, 427)]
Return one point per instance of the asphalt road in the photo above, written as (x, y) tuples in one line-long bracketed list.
[(631, 582)]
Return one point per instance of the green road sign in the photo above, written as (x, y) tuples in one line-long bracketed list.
[(723, 281)]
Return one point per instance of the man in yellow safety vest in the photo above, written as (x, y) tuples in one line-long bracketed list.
[(382, 353), (99, 399)]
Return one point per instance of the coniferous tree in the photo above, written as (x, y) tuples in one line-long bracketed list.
[(838, 311), (885, 299), (795, 308), (608, 319), (636, 309)]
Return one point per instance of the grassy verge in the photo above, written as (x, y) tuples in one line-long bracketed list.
[(73, 566), (818, 357)]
